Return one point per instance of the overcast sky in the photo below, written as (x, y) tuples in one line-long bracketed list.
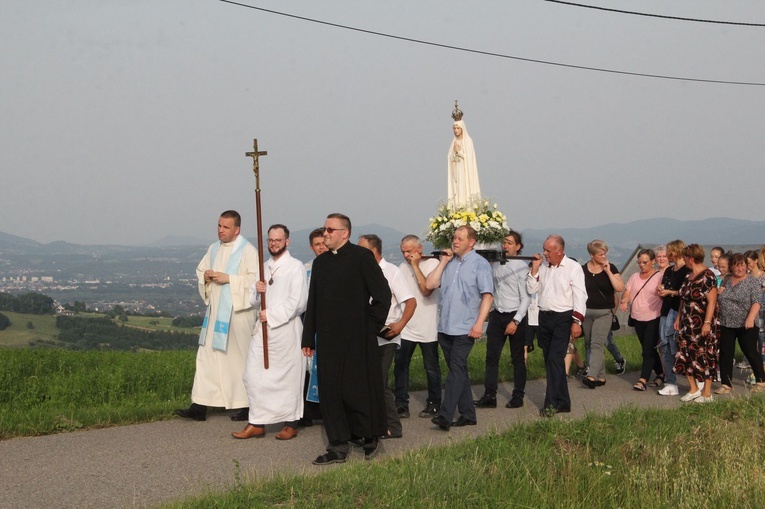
[(125, 121)]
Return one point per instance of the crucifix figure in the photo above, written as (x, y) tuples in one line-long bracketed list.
[(255, 154)]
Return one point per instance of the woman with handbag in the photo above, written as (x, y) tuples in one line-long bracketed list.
[(642, 299), (602, 280)]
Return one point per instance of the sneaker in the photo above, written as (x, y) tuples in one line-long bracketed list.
[(329, 457), (669, 390), (403, 411), (691, 396), (743, 365), (702, 399), (621, 366), (581, 372), (430, 410), (486, 401), (371, 447)]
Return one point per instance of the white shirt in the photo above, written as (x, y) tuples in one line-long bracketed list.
[(510, 288), (423, 327), (400, 293), (560, 287)]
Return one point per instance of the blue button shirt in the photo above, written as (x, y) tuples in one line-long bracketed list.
[(463, 283)]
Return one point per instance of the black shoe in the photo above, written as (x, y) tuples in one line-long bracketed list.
[(441, 422), (371, 446), (192, 412), (589, 382), (243, 414), (621, 366), (462, 421), (403, 411), (581, 372), (515, 402), (358, 442), (391, 435), (486, 401), (430, 410), (329, 457), (305, 422)]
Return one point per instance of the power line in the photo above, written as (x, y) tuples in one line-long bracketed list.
[(491, 54), (650, 15)]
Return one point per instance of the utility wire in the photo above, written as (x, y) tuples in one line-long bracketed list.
[(491, 54), (650, 15)]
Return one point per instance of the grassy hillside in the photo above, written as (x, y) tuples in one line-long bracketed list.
[(19, 335)]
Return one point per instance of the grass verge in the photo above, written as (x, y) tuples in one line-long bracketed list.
[(696, 456)]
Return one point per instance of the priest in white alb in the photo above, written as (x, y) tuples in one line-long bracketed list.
[(225, 275), (276, 394)]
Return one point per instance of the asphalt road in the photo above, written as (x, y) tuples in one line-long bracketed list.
[(147, 464)]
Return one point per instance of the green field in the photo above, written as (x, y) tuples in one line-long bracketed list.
[(19, 335)]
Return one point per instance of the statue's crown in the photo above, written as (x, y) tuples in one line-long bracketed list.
[(457, 113)]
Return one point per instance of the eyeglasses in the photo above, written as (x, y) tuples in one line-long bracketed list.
[(275, 241), (332, 230)]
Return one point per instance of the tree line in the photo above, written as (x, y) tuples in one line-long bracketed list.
[(83, 333), (31, 303)]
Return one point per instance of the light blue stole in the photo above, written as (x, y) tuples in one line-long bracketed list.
[(225, 303)]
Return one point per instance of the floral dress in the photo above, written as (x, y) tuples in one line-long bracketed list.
[(697, 354)]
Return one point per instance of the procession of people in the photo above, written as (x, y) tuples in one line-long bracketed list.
[(290, 344)]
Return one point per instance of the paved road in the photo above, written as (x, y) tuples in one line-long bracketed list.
[(144, 465)]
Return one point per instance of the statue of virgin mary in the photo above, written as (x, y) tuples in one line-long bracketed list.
[(463, 188)]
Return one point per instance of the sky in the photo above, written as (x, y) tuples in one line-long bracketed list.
[(124, 122)]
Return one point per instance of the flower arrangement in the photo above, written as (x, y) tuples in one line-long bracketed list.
[(489, 223)]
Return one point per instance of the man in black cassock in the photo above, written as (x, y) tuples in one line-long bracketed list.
[(348, 302)]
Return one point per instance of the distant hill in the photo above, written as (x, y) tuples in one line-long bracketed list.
[(622, 238), (176, 240)]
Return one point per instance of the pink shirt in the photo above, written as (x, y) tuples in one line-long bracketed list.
[(647, 305)]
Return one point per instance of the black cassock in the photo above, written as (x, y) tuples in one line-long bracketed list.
[(348, 302)]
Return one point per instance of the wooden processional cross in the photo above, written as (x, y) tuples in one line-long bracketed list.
[(255, 154)]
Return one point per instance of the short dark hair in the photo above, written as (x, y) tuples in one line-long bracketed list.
[(233, 214), (343, 219), (735, 259), (518, 239), (695, 252), (375, 242), (318, 232), (651, 254), (277, 226)]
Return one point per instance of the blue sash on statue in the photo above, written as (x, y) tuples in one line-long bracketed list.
[(313, 380), (225, 303)]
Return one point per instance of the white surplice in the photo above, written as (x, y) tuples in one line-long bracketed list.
[(218, 376), (276, 393)]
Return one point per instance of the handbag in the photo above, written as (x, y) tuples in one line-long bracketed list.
[(615, 325), (631, 321)]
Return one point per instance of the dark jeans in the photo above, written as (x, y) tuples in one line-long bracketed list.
[(648, 334), (554, 333), (747, 340), (432, 371), (387, 352), (495, 341), (458, 394)]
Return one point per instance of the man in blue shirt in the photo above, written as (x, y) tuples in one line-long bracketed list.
[(466, 297)]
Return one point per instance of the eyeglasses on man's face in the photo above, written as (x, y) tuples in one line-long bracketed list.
[(329, 230)]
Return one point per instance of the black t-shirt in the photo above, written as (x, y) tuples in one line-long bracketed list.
[(600, 292), (672, 280)]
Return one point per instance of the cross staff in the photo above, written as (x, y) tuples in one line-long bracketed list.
[(255, 154)]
